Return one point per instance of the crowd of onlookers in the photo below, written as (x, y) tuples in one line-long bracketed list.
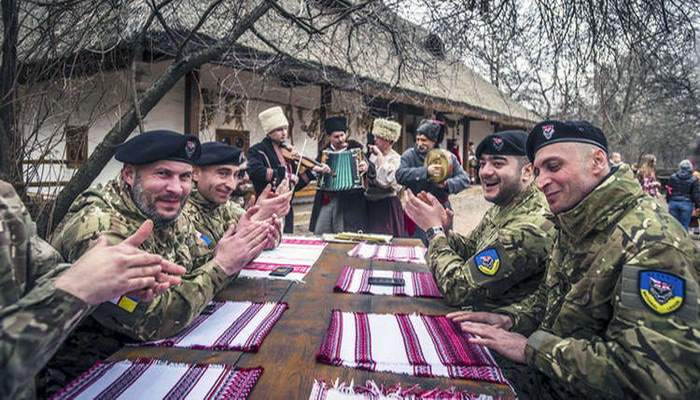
[(681, 191)]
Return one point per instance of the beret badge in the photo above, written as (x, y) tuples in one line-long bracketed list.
[(497, 143), (548, 131), (190, 148)]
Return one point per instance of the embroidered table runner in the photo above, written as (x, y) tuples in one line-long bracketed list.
[(230, 325), (155, 379), (381, 252), (371, 391), (432, 346), (296, 252), (416, 284)]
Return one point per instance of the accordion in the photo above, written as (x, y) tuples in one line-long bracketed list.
[(344, 166)]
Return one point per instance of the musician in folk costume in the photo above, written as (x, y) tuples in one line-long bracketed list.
[(384, 211), (268, 165), (432, 178), (339, 211)]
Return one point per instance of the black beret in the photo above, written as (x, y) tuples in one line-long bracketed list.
[(219, 153), (550, 132), (335, 124), (505, 143), (159, 145), (432, 129)]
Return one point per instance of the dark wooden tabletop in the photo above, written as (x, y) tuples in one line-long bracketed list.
[(288, 353)]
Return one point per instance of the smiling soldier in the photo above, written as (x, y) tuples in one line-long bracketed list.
[(503, 260)]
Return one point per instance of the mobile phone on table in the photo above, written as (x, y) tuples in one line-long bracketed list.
[(281, 271), (386, 281)]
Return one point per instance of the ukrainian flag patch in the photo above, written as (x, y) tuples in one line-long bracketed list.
[(662, 292), (488, 261), (127, 303)]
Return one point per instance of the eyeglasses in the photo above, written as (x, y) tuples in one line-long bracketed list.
[(241, 173)]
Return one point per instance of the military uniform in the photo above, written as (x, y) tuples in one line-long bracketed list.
[(211, 220), (617, 315), (502, 261), (35, 317), (111, 212)]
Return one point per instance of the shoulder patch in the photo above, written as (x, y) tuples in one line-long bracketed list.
[(204, 238), (487, 261), (661, 291)]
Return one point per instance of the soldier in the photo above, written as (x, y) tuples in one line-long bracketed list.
[(503, 259), (154, 183), (219, 172), (413, 173), (617, 315), (43, 299)]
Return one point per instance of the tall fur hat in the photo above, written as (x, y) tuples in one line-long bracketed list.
[(273, 118), (387, 130)]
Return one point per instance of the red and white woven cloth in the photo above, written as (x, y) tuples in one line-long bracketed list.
[(230, 325), (432, 346), (416, 284), (371, 391), (382, 252), (297, 252), (156, 379)]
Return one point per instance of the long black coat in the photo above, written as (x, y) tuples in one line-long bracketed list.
[(262, 156), (353, 204)]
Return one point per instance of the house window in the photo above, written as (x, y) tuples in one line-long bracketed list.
[(76, 145), (238, 138)]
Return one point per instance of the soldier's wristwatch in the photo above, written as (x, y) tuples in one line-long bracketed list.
[(434, 231)]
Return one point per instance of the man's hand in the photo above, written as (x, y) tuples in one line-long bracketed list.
[(322, 169), (105, 272), (242, 243), (434, 170), (274, 235), (271, 203), (447, 214), (508, 344), (362, 167), (425, 215), (489, 318)]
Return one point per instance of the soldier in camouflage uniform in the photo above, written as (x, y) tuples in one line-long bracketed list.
[(154, 183), (42, 298), (219, 172), (617, 316), (503, 260)]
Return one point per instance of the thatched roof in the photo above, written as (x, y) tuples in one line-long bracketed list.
[(377, 52)]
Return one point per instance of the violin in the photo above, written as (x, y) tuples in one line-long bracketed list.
[(289, 155)]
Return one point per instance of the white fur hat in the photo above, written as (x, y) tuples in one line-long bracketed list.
[(385, 129), (273, 118)]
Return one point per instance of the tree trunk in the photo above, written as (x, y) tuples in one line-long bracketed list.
[(129, 121), (8, 83)]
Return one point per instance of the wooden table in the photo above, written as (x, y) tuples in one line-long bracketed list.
[(288, 353)]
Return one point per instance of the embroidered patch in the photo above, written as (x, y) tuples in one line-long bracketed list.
[(662, 292), (548, 131), (190, 148), (497, 143), (204, 238), (488, 261)]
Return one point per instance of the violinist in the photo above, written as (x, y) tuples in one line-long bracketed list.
[(267, 163)]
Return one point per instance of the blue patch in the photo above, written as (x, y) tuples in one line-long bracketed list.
[(206, 239), (488, 261), (662, 292)]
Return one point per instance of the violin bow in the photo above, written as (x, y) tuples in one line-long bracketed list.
[(303, 147)]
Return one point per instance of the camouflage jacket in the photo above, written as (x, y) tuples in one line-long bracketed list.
[(35, 317), (503, 259), (211, 220), (618, 311), (110, 211)]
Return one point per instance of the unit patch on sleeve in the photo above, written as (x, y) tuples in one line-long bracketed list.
[(488, 261), (662, 292)]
